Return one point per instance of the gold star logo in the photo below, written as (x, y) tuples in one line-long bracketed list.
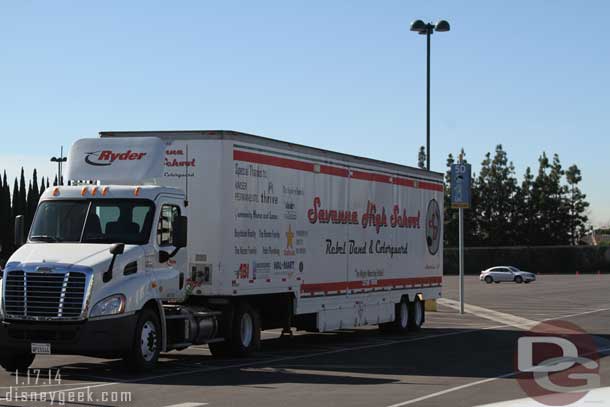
[(289, 237)]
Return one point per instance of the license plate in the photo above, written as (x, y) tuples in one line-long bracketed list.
[(41, 348)]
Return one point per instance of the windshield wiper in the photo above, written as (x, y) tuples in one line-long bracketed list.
[(45, 238)]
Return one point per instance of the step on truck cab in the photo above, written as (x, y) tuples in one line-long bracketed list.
[(163, 240)]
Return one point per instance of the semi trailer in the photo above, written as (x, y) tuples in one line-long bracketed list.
[(166, 239)]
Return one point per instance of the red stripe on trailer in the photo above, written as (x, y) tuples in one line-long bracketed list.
[(271, 160), (339, 172), (257, 158), (359, 285)]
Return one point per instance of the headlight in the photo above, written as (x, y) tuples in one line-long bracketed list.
[(115, 304)]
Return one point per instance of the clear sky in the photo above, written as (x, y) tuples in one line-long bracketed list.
[(343, 75)]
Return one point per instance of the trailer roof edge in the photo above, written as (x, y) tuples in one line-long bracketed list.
[(265, 141)]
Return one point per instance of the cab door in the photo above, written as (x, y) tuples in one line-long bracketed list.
[(170, 275)]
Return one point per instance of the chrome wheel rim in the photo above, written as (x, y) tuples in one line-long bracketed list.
[(404, 315), (148, 341), (247, 329)]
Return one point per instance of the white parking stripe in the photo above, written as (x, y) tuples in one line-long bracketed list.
[(188, 405), (300, 356), (496, 316), (509, 320), (467, 385), (276, 360), (450, 390)]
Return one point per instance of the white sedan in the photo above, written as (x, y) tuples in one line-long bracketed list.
[(506, 273)]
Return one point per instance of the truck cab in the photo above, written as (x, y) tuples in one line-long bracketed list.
[(95, 257)]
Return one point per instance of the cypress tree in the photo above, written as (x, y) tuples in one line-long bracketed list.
[(28, 206), (421, 158), (42, 187), (15, 198), (22, 194), (577, 205)]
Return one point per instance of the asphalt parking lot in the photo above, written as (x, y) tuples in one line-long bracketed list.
[(457, 360)]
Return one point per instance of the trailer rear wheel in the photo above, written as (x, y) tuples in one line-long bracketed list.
[(401, 319), (245, 337), (145, 350), (20, 362), (416, 314)]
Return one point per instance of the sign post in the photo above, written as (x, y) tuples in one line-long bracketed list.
[(460, 198)]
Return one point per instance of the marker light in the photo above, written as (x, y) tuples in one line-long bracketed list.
[(136, 191), (83, 191), (104, 191), (55, 191), (94, 191)]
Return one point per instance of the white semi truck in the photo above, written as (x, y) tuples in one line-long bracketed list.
[(164, 240)]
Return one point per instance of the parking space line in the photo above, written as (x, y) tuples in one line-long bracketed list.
[(278, 360), (465, 386), (451, 390), (509, 320), (322, 353)]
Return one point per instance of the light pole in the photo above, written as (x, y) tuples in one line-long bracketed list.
[(59, 160), (422, 28)]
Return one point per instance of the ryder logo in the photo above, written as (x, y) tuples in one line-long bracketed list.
[(107, 157)]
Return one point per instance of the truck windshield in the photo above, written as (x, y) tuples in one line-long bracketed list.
[(93, 221)]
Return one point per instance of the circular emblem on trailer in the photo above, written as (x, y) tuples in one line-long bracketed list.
[(433, 227)]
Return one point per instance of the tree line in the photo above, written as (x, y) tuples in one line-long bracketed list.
[(21, 199), (545, 207)]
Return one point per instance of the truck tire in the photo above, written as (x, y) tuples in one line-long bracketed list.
[(146, 344), (245, 337), (20, 362), (417, 314), (401, 319)]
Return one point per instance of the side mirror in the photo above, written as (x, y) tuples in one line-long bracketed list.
[(117, 248), (19, 230), (164, 256), (180, 227)]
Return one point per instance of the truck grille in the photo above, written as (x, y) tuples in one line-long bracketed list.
[(44, 295)]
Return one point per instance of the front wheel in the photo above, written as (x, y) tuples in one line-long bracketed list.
[(518, 279), (147, 340), (19, 362), (489, 280)]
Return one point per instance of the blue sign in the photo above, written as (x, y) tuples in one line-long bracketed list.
[(460, 185)]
